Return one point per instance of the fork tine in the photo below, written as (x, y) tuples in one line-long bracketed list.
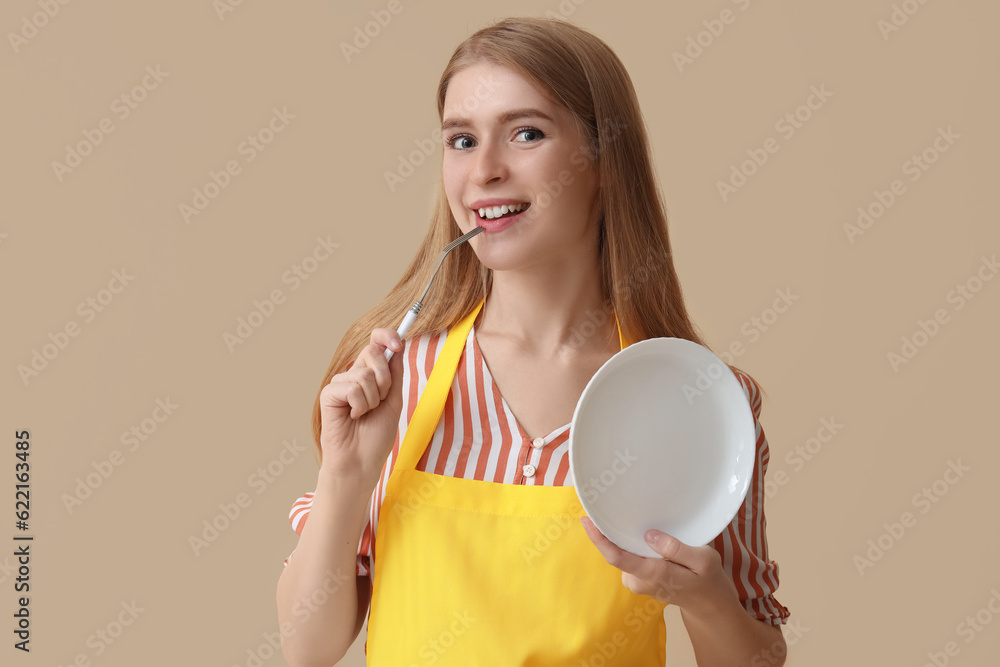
[(441, 255), (417, 305), (462, 239)]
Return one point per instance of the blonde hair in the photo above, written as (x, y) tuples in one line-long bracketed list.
[(637, 273)]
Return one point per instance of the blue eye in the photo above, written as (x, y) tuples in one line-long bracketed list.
[(530, 130), (452, 139), (535, 135)]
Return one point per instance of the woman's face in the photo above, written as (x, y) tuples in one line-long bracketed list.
[(506, 142)]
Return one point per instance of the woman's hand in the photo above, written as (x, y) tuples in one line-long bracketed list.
[(721, 631), (690, 577), (360, 410)]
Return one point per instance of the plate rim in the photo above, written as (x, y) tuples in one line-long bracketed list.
[(667, 343)]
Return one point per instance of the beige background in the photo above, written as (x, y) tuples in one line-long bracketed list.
[(323, 176)]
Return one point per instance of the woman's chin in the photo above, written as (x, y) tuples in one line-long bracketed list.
[(505, 262)]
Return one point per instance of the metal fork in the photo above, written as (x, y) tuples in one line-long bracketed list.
[(417, 305)]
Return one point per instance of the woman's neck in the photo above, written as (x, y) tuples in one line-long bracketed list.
[(549, 312)]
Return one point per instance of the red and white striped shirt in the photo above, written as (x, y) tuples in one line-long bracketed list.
[(479, 438)]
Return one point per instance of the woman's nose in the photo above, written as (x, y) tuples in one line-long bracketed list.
[(489, 164)]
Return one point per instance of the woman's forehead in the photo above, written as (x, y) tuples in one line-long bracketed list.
[(485, 91)]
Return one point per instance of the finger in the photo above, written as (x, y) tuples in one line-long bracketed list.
[(364, 380), (674, 550), (387, 338), (373, 357), (625, 561), (341, 391), (653, 572), (357, 400), (664, 580), (396, 369), (346, 391)]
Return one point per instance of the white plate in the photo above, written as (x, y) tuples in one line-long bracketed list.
[(662, 437)]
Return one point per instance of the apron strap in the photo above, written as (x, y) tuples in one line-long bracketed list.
[(425, 417)]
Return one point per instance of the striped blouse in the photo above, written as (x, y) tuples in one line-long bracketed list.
[(479, 438)]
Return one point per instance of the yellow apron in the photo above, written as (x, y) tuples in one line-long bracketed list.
[(471, 572)]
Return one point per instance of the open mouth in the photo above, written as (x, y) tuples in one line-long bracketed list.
[(501, 212)]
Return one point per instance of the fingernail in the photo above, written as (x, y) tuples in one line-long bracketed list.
[(652, 536)]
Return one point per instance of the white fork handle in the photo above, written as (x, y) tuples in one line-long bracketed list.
[(407, 321)]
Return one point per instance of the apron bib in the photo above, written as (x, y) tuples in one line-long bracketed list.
[(471, 572)]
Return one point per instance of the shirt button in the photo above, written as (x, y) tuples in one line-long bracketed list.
[(538, 443), (529, 470)]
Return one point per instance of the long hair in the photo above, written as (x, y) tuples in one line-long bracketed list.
[(637, 272)]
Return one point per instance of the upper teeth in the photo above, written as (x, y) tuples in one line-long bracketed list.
[(492, 212)]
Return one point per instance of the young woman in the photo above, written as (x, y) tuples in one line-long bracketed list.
[(474, 548)]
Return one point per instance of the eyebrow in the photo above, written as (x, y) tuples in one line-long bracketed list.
[(502, 119)]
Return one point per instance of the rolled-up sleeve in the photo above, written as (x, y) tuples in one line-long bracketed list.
[(743, 544)]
